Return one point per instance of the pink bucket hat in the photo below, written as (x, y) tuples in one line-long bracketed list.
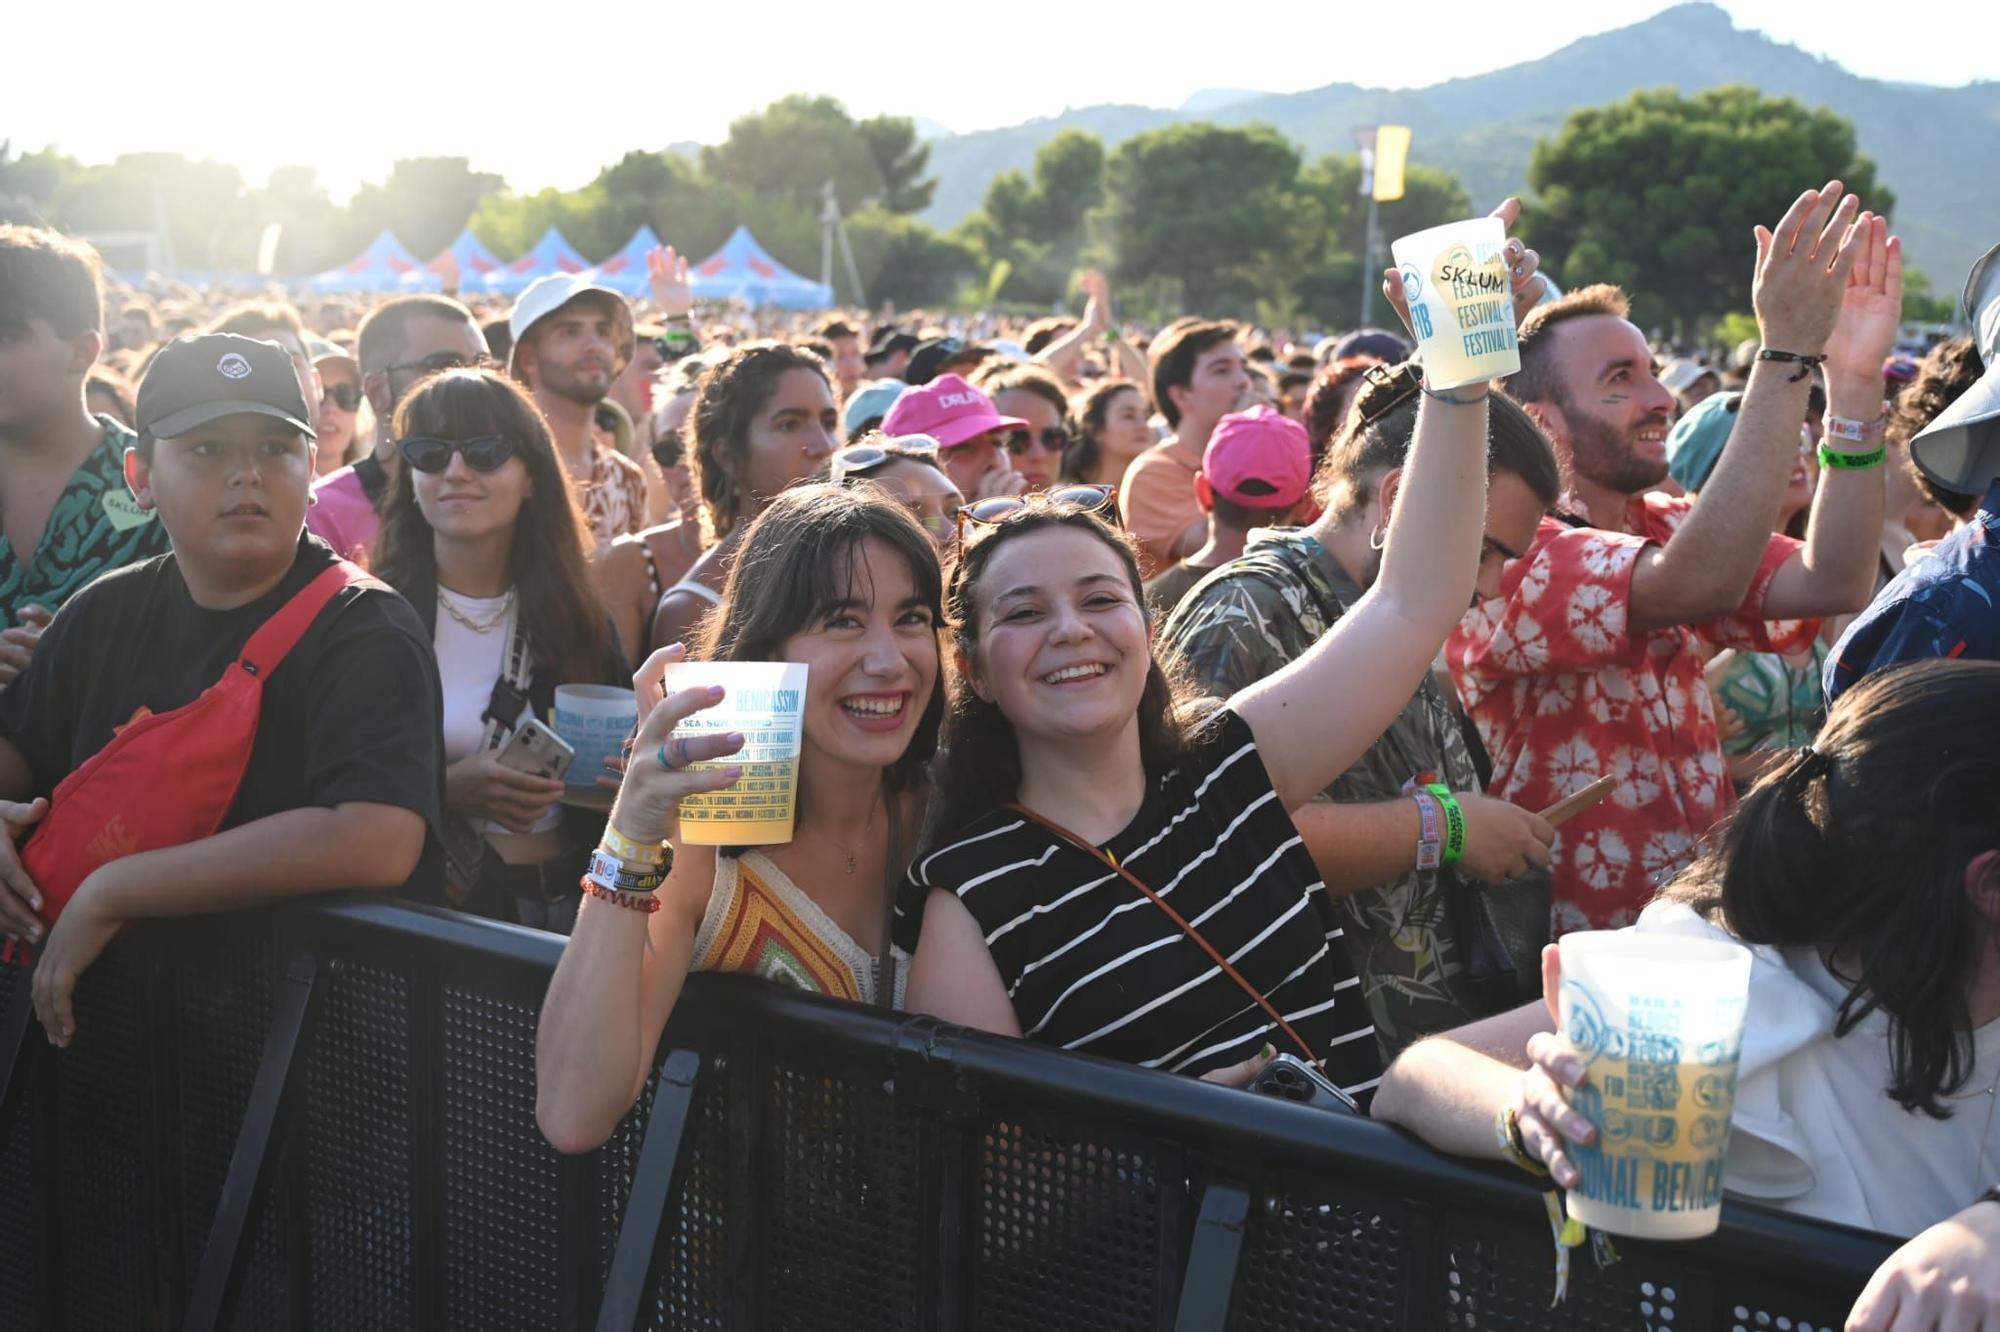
[(947, 409), (1260, 459)]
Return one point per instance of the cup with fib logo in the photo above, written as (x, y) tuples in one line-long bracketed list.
[(1461, 301)]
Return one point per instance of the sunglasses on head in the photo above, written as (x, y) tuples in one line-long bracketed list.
[(1401, 383), (861, 459), (347, 397), (1055, 437), (439, 362), (1100, 500), (483, 453)]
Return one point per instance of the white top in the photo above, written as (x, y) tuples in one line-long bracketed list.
[(469, 664), (700, 590), (1815, 1131)]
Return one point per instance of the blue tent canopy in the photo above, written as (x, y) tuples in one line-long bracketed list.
[(625, 271), (551, 254), (743, 270), (386, 265), (475, 261)]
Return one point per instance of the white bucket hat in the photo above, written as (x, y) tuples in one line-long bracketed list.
[(546, 295)]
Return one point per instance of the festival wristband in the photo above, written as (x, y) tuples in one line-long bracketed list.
[(638, 853), (1430, 837), (1507, 1132), (612, 872), (1805, 363), (630, 901), (1850, 431), (1851, 462), (1454, 822)]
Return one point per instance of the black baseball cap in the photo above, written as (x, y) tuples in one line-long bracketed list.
[(928, 361), (890, 341), (195, 380)]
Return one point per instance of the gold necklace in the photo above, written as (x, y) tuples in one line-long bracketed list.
[(845, 851), (478, 626)]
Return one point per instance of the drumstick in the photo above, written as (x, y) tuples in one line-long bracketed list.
[(1572, 805)]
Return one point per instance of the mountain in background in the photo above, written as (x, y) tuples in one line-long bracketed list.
[(1937, 148)]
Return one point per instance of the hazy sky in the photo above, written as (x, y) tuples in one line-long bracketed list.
[(547, 100)]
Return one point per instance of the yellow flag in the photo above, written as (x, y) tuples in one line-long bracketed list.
[(1392, 148)]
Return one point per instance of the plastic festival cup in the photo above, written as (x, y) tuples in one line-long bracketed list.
[(594, 721), (1658, 1021), (766, 701), (1461, 301)]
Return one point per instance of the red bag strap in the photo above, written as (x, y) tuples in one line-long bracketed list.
[(1186, 928), (277, 636)]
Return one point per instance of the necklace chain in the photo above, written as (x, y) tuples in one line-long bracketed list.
[(486, 626)]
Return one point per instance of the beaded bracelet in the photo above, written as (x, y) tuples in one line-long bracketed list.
[(644, 902), (638, 853), (1454, 822), (1430, 836), (1851, 462)]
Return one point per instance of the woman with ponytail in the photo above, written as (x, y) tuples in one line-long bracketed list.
[(1864, 874)]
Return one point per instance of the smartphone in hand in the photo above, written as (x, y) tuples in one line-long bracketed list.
[(537, 751)]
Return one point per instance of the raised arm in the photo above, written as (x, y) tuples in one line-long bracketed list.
[(1706, 569), (1316, 716), (1835, 573)]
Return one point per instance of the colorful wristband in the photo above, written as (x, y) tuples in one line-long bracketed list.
[(1454, 822), (1851, 462), (1850, 431), (624, 876), (1430, 835), (630, 901), (634, 853)]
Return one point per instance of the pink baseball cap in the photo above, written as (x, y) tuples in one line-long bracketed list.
[(949, 410), (1260, 459)]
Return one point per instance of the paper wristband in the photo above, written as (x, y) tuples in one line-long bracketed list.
[(1454, 822)]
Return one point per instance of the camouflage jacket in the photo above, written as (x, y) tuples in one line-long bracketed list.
[(1256, 615)]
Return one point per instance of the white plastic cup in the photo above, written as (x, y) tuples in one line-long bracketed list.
[(1461, 301), (1658, 1022), (766, 701), (594, 721)]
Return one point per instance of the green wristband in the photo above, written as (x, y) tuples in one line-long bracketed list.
[(1851, 462), (1454, 822)]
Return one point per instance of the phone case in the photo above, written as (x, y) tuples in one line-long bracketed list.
[(537, 750)]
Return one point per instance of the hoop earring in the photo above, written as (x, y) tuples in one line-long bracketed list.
[(1379, 538)]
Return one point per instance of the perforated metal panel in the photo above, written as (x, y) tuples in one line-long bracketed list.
[(18, 1279), (1323, 1257), (502, 1248), (358, 1153), (690, 1270), (1070, 1219), (841, 1242)]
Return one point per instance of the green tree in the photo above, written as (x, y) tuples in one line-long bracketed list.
[(1658, 193), (424, 200), (900, 163), (791, 148), (1215, 213), (1328, 289), (1031, 233), (1921, 302), (28, 181), (902, 260), (207, 219)]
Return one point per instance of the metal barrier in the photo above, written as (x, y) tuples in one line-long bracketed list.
[(322, 1116)]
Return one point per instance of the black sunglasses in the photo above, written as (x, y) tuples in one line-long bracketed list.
[(1055, 437), (668, 449), (347, 397), (1100, 500), (439, 362), (485, 453)]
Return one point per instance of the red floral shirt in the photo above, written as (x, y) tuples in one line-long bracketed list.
[(1564, 693)]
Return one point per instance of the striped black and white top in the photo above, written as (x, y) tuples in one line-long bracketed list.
[(1092, 965)]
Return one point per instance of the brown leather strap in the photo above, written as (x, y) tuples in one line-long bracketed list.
[(1104, 856)]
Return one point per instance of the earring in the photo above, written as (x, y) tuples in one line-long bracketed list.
[(1378, 538)]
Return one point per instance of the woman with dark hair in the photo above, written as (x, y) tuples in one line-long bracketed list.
[(764, 418), (908, 467), (481, 536), (1063, 716), (1864, 872), (843, 580), (1036, 397), (1112, 428)]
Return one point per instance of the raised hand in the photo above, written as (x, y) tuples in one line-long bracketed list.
[(667, 275), (1803, 267), (1871, 306), (656, 775), (1097, 302), (1523, 272)]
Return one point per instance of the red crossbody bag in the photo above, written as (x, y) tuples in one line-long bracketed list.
[(168, 778)]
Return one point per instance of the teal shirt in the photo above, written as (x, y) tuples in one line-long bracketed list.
[(94, 528)]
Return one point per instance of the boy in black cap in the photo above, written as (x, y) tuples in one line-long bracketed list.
[(342, 787)]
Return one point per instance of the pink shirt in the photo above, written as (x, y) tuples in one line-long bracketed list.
[(342, 515)]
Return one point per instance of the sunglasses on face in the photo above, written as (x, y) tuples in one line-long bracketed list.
[(347, 397), (1055, 438), (1100, 500), (484, 453), (439, 362)]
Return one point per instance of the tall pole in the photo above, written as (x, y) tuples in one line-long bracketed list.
[(1369, 242)]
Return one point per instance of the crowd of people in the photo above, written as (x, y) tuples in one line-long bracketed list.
[(1179, 695)]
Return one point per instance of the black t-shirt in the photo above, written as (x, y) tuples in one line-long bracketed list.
[(351, 714), (1092, 965)]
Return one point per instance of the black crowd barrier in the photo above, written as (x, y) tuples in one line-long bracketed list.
[(323, 1116)]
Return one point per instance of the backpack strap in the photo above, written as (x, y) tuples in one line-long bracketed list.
[(277, 636)]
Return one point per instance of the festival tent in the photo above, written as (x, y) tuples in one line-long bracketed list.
[(625, 271), (743, 270), (386, 265), (475, 261), (551, 254)]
